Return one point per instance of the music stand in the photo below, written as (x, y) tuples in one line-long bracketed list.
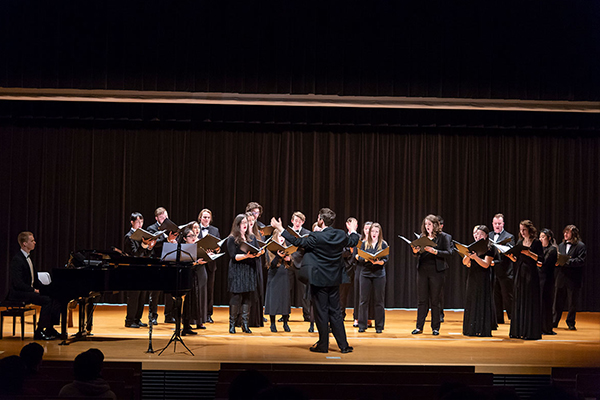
[(179, 253)]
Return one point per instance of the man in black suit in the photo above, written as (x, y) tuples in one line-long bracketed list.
[(160, 214), (569, 277), (503, 272), (205, 219), (136, 299), (297, 288), (323, 258), (25, 286)]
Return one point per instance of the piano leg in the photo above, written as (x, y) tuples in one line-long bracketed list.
[(64, 335)]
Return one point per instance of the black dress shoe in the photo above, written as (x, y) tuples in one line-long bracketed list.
[(572, 328), (416, 332), (131, 325), (200, 326), (436, 332), (51, 332), (39, 335), (188, 331), (142, 324), (549, 333), (318, 350), (311, 328), (154, 321), (169, 320), (379, 330), (348, 349), (273, 328), (210, 320), (361, 330)]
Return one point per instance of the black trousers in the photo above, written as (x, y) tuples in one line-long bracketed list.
[(50, 312), (326, 303), (297, 290), (211, 269), (570, 291), (503, 293), (345, 290), (372, 290), (547, 300), (430, 283), (135, 306)]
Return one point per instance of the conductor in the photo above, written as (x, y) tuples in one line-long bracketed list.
[(323, 261)]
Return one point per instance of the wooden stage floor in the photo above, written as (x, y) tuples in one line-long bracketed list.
[(395, 346)]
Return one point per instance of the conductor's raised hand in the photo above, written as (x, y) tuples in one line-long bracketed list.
[(352, 225), (276, 223)]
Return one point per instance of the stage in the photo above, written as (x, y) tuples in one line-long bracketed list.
[(395, 346)]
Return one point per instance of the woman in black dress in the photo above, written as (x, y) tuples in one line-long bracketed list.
[(242, 275), (431, 269), (526, 321), (194, 305), (258, 298), (277, 296), (479, 316), (372, 280), (547, 279)]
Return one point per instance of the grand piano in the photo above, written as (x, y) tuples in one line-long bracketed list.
[(90, 273)]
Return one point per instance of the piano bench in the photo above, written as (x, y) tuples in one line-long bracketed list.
[(14, 310)]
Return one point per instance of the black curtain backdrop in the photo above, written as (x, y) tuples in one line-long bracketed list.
[(72, 174), (538, 49)]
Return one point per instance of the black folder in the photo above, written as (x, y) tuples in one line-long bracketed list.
[(373, 257), (562, 259), (209, 242), (203, 255), (293, 232), (247, 247), (170, 226), (515, 250), (422, 242), (480, 247), (275, 247), (140, 234)]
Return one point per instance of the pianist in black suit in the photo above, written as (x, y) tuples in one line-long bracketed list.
[(25, 286), (160, 214), (205, 218), (136, 299), (323, 258), (569, 277)]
